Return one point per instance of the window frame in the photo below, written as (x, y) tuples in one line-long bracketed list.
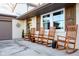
[(43, 19), (63, 9), (51, 18)]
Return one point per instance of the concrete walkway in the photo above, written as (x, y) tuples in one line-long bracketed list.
[(19, 47)]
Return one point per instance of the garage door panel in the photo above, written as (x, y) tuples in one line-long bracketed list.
[(5, 30)]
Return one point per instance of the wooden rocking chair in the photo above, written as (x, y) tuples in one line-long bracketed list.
[(72, 35), (40, 35), (50, 37), (70, 39), (30, 35)]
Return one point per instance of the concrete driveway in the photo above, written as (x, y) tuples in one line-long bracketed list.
[(19, 47)]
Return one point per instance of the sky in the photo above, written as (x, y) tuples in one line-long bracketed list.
[(21, 8)]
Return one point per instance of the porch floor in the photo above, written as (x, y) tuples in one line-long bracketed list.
[(19, 47)]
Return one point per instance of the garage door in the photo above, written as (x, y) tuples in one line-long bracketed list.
[(5, 30)]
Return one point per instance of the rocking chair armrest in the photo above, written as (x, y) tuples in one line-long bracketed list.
[(70, 37), (35, 34), (45, 35), (61, 36), (65, 37), (51, 36), (48, 36)]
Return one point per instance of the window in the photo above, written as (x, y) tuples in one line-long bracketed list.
[(55, 18), (58, 19), (46, 22)]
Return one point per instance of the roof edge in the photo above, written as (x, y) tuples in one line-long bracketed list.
[(6, 15), (32, 10)]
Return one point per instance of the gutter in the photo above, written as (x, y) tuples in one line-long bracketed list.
[(6, 15)]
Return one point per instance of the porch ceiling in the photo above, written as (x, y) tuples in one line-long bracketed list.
[(45, 8)]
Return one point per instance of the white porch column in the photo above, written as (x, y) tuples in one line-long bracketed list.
[(51, 20), (77, 22), (41, 25)]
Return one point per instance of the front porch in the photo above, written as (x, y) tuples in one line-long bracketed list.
[(46, 16), (19, 47)]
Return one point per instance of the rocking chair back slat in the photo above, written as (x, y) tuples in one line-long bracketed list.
[(41, 32), (40, 35), (32, 31), (72, 35), (51, 31), (50, 37)]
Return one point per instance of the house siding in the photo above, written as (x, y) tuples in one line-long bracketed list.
[(38, 22), (70, 15)]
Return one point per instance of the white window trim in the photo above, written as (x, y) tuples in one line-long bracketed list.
[(51, 15), (42, 20), (59, 30)]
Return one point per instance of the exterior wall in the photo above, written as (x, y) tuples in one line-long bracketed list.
[(33, 22), (77, 22), (70, 15), (38, 18), (17, 27), (24, 26)]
